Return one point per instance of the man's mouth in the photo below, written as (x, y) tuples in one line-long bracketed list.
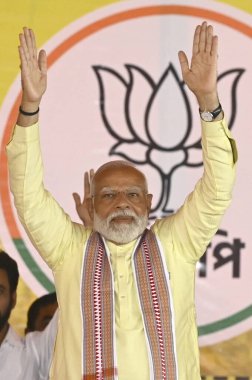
[(122, 219)]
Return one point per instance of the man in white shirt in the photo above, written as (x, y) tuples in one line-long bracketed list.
[(37, 352), (26, 358)]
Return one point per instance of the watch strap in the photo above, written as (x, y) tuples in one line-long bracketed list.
[(214, 113)]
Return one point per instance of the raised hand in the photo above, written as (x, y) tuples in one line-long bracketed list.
[(83, 207), (201, 75), (33, 71)]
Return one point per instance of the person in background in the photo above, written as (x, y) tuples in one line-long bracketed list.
[(11, 345), (27, 358), (41, 312)]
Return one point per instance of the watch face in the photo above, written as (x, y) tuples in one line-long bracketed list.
[(206, 116)]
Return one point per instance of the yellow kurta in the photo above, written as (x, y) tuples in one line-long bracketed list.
[(184, 237)]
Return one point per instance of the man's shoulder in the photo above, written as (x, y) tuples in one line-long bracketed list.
[(12, 339), (11, 351), (160, 221)]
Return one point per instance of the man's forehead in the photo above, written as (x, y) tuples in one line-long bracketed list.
[(111, 173), (118, 175), (120, 179)]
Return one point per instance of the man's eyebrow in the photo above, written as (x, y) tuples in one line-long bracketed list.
[(107, 188), (126, 188)]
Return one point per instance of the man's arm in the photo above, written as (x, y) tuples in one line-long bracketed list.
[(49, 228), (195, 223)]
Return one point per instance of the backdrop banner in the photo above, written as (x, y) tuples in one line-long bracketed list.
[(115, 91)]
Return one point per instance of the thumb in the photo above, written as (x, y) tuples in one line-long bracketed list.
[(183, 62), (42, 61)]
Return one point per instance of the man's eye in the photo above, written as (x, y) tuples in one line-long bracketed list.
[(133, 195), (108, 196)]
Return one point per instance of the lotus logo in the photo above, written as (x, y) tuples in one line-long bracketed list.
[(164, 147)]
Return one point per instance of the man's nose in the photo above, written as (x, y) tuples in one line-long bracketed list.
[(122, 200)]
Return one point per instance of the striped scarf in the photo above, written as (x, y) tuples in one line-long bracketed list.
[(99, 356)]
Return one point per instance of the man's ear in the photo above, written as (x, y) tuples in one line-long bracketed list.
[(13, 299), (149, 202)]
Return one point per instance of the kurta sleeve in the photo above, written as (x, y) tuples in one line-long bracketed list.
[(192, 227), (49, 228)]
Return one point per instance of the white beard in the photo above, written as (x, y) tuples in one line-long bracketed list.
[(121, 233)]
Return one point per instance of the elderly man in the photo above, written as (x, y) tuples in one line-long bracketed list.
[(125, 292)]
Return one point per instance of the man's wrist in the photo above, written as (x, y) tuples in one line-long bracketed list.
[(28, 113), (216, 114), (208, 102), (28, 106)]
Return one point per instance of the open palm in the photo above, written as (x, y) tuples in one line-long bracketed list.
[(33, 68)]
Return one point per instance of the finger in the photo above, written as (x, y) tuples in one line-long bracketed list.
[(33, 44), (91, 174), (202, 37), (209, 38), (23, 45), (28, 40), (42, 62), (214, 50), (196, 39), (183, 63), (77, 199), (23, 62), (86, 186)]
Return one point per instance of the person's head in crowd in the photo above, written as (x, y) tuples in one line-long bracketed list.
[(41, 312), (9, 276)]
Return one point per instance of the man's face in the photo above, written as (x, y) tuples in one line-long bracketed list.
[(7, 300), (121, 203), (44, 316)]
